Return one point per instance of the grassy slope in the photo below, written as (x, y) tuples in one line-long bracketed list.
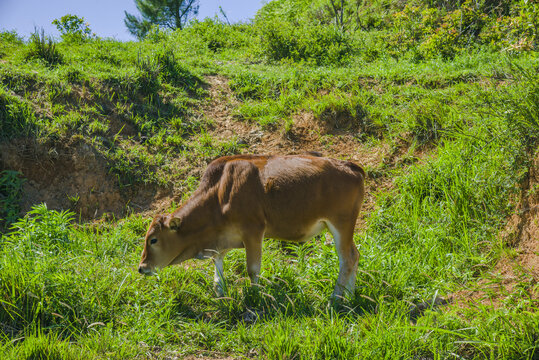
[(69, 291)]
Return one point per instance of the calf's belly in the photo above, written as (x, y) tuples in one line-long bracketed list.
[(295, 232)]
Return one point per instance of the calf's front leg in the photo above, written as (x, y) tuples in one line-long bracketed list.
[(219, 285)]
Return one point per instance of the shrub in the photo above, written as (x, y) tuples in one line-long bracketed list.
[(219, 36), (156, 34), (321, 45), (9, 41), (457, 31), (73, 28), (447, 28), (10, 37), (516, 31), (43, 48)]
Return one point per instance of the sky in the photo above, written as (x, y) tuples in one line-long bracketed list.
[(106, 17)]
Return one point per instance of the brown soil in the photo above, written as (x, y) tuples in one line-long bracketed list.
[(516, 275), (306, 134), (72, 175)]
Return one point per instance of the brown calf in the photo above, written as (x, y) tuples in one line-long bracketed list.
[(243, 199)]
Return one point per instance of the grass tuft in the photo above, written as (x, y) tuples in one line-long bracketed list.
[(43, 48)]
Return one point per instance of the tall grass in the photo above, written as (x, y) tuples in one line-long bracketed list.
[(43, 48), (17, 118), (522, 110)]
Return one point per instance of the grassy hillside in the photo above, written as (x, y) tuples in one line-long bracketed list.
[(437, 100)]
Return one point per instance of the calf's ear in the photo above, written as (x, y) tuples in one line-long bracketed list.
[(175, 223)]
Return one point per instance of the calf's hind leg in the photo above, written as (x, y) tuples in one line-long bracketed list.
[(343, 234)]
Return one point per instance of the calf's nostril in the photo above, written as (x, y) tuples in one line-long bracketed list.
[(140, 270)]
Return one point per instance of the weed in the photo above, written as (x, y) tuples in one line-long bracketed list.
[(344, 113), (43, 230), (43, 48), (147, 82)]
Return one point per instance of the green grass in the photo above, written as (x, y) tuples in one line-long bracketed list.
[(70, 290), (80, 284), (10, 194)]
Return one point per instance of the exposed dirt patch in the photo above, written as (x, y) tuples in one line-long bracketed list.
[(72, 175), (516, 275), (306, 134)]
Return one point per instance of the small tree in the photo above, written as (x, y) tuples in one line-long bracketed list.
[(73, 28), (168, 14)]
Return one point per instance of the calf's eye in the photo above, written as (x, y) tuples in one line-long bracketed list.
[(153, 241)]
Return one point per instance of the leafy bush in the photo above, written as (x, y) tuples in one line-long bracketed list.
[(9, 41), (10, 37), (43, 48), (517, 31), (219, 36), (279, 10), (432, 32), (457, 31), (321, 45), (73, 28), (441, 28)]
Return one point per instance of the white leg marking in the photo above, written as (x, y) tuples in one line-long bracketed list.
[(337, 238), (315, 230), (346, 281), (254, 271), (218, 275)]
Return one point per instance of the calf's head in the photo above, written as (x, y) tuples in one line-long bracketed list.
[(164, 244)]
